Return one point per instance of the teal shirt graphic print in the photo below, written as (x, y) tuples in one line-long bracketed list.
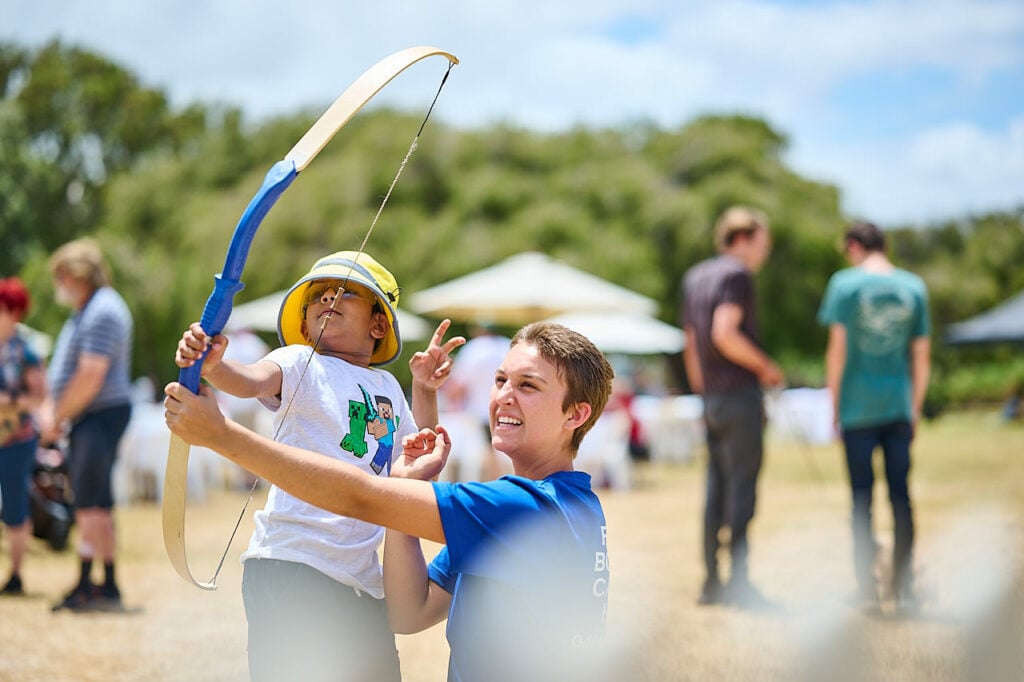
[(882, 314)]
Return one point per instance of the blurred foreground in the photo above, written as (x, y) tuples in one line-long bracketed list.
[(967, 477)]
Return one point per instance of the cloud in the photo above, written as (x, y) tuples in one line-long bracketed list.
[(962, 159), (937, 173), (885, 97)]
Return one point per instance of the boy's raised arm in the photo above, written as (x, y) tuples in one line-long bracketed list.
[(430, 368)]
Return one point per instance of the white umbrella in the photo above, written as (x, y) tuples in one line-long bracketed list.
[(524, 288), (625, 332), (261, 315)]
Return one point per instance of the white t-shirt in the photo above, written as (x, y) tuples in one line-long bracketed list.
[(246, 348), (337, 411)]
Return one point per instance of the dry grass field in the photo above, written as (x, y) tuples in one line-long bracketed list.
[(968, 483)]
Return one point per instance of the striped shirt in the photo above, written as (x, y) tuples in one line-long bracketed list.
[(102, 327)]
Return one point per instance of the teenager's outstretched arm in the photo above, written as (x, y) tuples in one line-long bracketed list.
[(404, 504), (414, 601)]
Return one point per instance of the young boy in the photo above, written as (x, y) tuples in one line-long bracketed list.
[(312, 582), (523, 578)]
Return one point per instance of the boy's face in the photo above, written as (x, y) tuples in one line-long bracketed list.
[(352, 327), (527, 419)]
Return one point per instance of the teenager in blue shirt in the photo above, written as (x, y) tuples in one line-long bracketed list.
[(523, 576)]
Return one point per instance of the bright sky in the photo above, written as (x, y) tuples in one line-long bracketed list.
[(914, 108)]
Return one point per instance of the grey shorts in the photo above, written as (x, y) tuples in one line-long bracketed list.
[(306, 626)]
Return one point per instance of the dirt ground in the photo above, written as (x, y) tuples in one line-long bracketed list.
[(967, 482)]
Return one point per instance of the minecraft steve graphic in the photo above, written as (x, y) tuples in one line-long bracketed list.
[(377, 419), (383, 429)]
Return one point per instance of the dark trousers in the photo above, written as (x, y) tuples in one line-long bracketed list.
[(92, 453), (16, 464), (735, 423), (860, 443)]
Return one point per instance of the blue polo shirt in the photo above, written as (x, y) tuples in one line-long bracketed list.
[(526, 564)]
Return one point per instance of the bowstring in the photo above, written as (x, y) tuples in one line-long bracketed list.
[(331, 310)]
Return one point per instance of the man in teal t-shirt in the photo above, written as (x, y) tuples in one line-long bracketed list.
[(877, 365)]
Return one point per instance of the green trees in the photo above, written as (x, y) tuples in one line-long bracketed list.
[(69, 121), (86, 149)]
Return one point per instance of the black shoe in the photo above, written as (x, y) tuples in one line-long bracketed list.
[(107, 598), (80, 599), (710, 593), (865, 599), (13, 587), (907, 603), (744, 595)]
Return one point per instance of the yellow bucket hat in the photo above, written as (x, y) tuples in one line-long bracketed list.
[(347, 266)]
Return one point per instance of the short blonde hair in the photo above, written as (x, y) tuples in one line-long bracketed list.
[(736, 221), (81, 259)]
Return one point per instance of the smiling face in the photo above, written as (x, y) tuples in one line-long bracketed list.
[(349, 316), (528, 420)]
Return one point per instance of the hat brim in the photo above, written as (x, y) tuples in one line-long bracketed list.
[(290, 317)]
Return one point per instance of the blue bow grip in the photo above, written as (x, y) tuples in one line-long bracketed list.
[(228, 283)]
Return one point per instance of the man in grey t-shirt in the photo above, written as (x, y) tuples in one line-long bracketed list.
[(725, 363)]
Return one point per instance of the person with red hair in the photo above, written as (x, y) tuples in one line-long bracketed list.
[(22, 390)]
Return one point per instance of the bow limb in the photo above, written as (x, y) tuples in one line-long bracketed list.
[(215, 316), (175, 489), (228, 282), (353, 99)]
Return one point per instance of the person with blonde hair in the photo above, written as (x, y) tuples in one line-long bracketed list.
[(726, 365), (90, 380)]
